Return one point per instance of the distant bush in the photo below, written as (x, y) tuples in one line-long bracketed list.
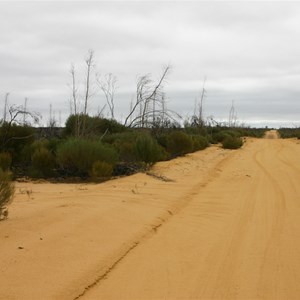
[(77, 156), (124, 143), (43, 163), (179, 143), (5, 161), (231, 142), (53, 144), (162, 140), (14, 138), (220, 136), (287, 133), (195, 128), (147, 149), (7, 190), (39, 144), (101, 170), (199, 142), (93, 126), (252, 132)]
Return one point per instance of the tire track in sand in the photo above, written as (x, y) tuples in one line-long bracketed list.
[(163, 219), (271, 251)]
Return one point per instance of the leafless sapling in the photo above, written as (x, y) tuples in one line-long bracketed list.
[(146, 94), (108, 87)]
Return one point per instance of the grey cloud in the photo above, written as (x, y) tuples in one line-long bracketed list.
[(247, 50)]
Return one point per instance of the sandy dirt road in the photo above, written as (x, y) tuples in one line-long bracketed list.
[(216, 224)]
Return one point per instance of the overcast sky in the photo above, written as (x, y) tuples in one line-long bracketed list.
[(249, 53)]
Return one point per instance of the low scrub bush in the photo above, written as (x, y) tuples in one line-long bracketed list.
[(231, 142), (101, 170), (220, 136), (14, 138), (253, 132), (5, 161), (43, 163), (7, 190), (162, 140), (287, 133), (77, 156), (147, 149), (199, 142), (179, 143), (53, 144), (38, 144), (93, 126), (124, 143)]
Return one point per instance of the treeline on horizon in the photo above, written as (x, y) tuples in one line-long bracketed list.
[(96, 148), (92, 147)]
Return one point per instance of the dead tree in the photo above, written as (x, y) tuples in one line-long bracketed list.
[(197, 118), (15, 116), (74, 102), (52, 120), (203, 94), (5, 107), (89, 64), (25, 110), (232, 116), (74, 105), (16, 111), (108, 87), (147, 94)]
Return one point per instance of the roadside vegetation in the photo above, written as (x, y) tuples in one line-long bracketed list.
[(107, 149), (287, 133), (94, 147), (6, 193)]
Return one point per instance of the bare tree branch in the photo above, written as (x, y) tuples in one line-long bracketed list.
[(145, 94), (5, 107), (74, 88), (108, 87), (89, 64)]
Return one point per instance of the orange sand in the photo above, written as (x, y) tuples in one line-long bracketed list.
[(216, 224)]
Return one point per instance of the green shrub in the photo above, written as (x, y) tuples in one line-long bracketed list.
[(126, 151), (14, 138), (199, 142), (231, 142), (77, 156), (53, 144), (39, 144), (179, 143), (92, 126), (101, 170), (43, 163), (220, 136), (147, 149), (124, 144), (7, 190), (287, 133), (5, 161), (253, 132), (162, 140)]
